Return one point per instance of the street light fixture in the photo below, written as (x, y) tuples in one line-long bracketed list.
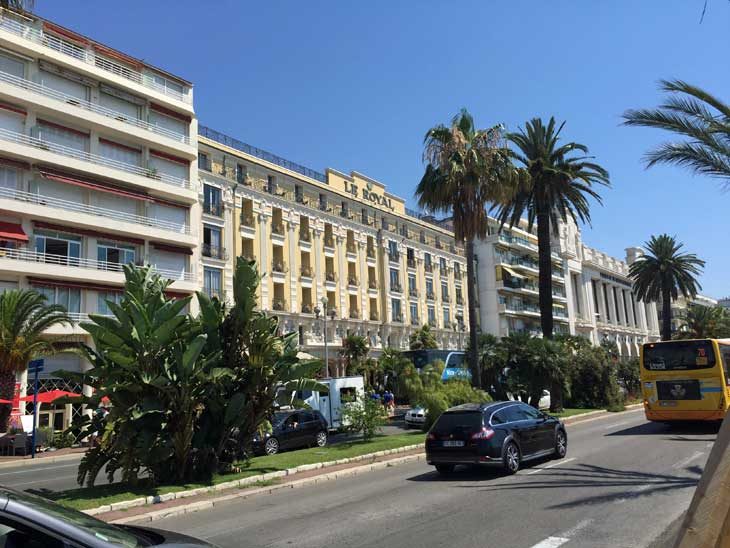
[(317, 311), (462, 327)]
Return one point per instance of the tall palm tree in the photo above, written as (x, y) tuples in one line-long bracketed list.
[(464, 167), (354, 350), (554, 184), (702, 322), (697, 115), (663, 274), (24, 316)]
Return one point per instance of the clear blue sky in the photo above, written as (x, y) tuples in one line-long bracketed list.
[(355, 85)]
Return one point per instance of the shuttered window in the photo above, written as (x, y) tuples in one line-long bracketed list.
[(169, 123), (169, 167), (11, 65), (11, 121), (64, 85), (117, 104)]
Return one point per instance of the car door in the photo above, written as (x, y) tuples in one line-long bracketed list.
[(524, 427), (290, 431), (544, 429), (310, 427)]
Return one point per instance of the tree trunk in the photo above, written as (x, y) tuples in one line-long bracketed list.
[(7, 391), (666, 315), (476, 376), (545, 286)]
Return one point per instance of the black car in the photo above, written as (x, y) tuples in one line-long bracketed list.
[(292, 429), (502, 434), (29, 521)]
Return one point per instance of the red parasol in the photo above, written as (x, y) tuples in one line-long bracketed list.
[(6, 401), (50, 396)]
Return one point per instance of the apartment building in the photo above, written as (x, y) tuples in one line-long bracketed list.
[(682, 305), (98, 168), (331, 244), (592, 293)]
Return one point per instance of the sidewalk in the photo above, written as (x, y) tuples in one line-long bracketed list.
[(68, 453)]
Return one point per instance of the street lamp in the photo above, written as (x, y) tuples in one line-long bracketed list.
[(317, 312), (462, 327)]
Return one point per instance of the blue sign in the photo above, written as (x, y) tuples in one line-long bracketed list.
[(456, 373), (35, 365)]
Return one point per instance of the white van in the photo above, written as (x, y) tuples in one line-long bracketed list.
[(331, 403)]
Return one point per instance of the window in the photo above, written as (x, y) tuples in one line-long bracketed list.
[(394, 278), (119, 102), (120, 153), (626, 306), (615, 302), (175, 125), (54, 133), (512, 414), (270, 184), (21, 534), (427, 261), (528, 412), (412, 283), (299, 194), (457, 270), (240, 173), (431, 315), (323, 202), (204, 161), (392, 248), (429, 288), (442, 264), (447, 317), (597, 310), (633, 310), (459, 297), (8, 178), (68, 297), (212, 242), (397, 314), (444, 291), (72, 86), (414, 312), (56, 245), (605, 301), (114, 254), (212, 202), (101, 301), (365, 219), (11, 65), (212, 281), (345, 209)]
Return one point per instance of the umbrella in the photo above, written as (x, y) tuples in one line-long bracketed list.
[(50, 396), (6, 401)]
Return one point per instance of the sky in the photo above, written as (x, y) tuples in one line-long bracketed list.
[(356, 85)]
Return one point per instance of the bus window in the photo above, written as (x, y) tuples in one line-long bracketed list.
[(455, 359), (725, 355), (679, 356)]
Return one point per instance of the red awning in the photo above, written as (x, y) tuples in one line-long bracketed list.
[(168, 112), (12, 231), (86, 183), (50, 396)]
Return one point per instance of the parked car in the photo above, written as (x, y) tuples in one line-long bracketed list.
[(504, 434), (415, 416), (292, 429), (34, 522)]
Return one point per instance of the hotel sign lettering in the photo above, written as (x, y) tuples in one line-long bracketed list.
[(368, 195)]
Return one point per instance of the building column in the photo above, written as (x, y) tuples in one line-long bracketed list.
[(292, 240), (318, 253), (264, 260), (362, 277), (341, 258)]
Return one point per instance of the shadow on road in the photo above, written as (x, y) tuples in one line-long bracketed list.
[(673, 430)]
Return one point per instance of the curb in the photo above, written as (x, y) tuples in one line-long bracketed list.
[(598, 413), (245, 482), (207, 504), (42, 460)]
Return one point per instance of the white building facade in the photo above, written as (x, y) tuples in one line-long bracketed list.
[(592, 295), (98, 168)]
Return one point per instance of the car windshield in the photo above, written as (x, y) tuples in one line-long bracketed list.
[(89, 525)]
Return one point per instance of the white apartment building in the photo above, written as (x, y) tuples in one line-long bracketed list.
[(682, 304), (592, 294), (98, 168)]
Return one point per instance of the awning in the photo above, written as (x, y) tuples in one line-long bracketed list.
[(12, 231), (172, 248), (513, 273), (85, 232), (75, 285), (85, 183)]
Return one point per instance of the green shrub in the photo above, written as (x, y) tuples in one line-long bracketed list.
[(63, 439), (448, 394), (629, 375), (593, 380), (365, 415)]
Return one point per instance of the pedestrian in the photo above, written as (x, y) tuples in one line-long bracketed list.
[(388, 401)]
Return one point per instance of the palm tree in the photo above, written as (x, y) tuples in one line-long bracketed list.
[(697, 115), (422, 339), (464, 173), (24, 316), (354, 349), (553, 185), (665, 273), (703, 322)]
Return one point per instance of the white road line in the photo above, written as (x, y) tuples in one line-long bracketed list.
[(34, 470), (622, 423), (554, 542), (685, 462), (564, 461)]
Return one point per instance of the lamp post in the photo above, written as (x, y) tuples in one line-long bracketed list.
[(462, 328), (317, 312)]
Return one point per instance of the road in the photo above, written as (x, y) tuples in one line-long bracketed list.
[(623, 481)]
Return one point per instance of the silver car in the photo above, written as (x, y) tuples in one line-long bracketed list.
[(416, 417)]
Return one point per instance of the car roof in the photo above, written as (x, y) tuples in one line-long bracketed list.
[(480, 407)]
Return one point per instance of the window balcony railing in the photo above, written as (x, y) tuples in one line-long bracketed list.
[(397, 318), (215, 252), (81, 262), (430, 295), (373, 316), (411, 262), (278, 266), (279, 305), (352, 280), (432, 323), (215, 209), (413, 292), (69, 152), (305, 235), (351, 247), (414, 320), (157, 83), (329, 241), (459, 299), (428, 267), (76, 207), (247, 219), (215, 292), (372, 284), (394, 256), (354, 314), (28, 85), (396, 287), (370, 252), (445, 298), (277, 228), (307, 308), (306, 271), (330, 277)]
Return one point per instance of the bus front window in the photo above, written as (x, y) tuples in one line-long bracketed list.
[(679, 356)]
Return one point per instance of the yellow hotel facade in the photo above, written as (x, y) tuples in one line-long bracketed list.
[(327, 243)]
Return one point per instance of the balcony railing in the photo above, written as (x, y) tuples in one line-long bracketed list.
[(329, 242), (81, 262), (413, 292), (278, 266), (354, 314), (432, 323), (445, 298), (27, 140), (370, 252), (459, 299), (77, 207), (428, 267), (277, 228), (330, 277), (430, 295), (306, 272), (351, 247), (88, 56), (372, 284), (215, 252), (373, 316), (28, 85), (397, 318), (247, 219), (352, 280), (307, 308), (411, 262), (396, 288), (305, 235), (279, 305), (215, 209), (394, 256)]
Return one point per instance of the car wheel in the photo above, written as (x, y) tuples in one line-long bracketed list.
[(444, 469), (271, 447), (561, 444), (511, 458), (321, 439)]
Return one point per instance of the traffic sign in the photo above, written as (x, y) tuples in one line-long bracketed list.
[(35, 365)]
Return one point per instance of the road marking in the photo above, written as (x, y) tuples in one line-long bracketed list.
[(617, 424), (35, 470), (564, 461), (685, 462), (554, 542)]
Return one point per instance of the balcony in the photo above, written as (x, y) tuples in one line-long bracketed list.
[(459, 300), (306, 271), (330, 276), (443, 271), (247, 220), (411, 262), (351, 247), (329, 242), (307, 308), (428, 267), (372, 284), (305, 235), (413, 292), (394, 256), (445, 298), (277, 228), (11, 23), (76, 207), (432, 322), (279, 267), (370, 252), (215, 209), (28, 85), (214, 252), (354, 314), (27, 255), (397, 317), (151, 173), (352, 280), (279, 305), (414, 321), (396, 287), (217, 293), (373, 316), (430, 295)]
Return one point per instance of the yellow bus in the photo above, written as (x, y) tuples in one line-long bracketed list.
[(685, 379)]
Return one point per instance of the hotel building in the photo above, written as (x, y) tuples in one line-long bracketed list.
[(592, 294), (331, 237), (97, 169)]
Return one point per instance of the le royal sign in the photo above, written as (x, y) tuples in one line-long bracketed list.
[(368, 195)]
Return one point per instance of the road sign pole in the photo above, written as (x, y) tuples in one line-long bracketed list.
[(35, 412)]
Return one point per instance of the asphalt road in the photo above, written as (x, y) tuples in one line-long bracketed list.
[(622, 483)]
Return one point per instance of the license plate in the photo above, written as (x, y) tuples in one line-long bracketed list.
[(668, 403), (453, 443)]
